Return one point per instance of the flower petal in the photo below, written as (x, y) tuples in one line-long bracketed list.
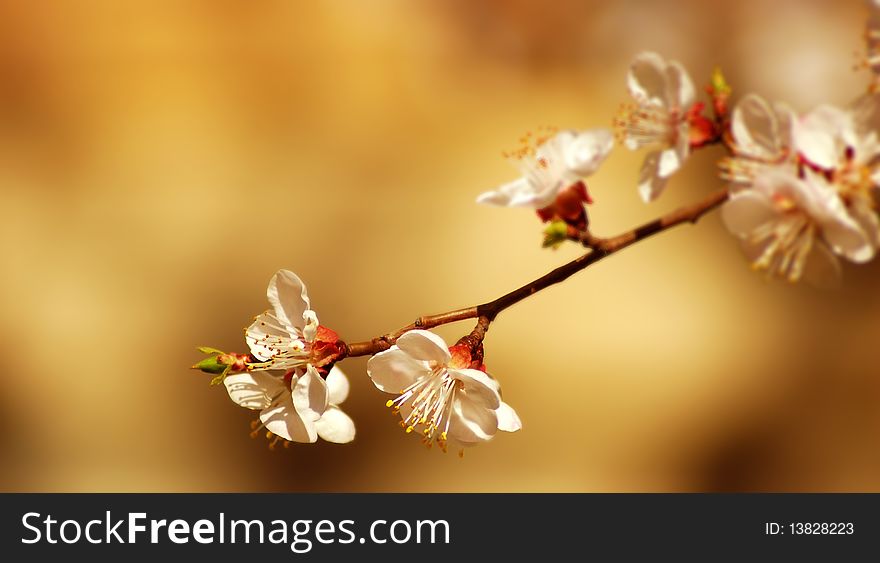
[(840, 230), (265, 337), (283, 420), (651, 184), (424, 345), (508, 420), (335, 426), (254, 390), (310, 395), (848, 240), (646, 79), (867, 219), (504, 195), (588, 150), (288, 296), (755, 128), (786, 118), (746, 211), (680, 91), (815, 135), (309, 325), (541, 195), (478, 386), (471, 422), (669, 162), (394, 370), (337, 386)]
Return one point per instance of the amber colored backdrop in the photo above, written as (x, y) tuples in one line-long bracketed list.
[(160, 160)]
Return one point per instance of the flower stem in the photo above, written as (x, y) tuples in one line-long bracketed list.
[(599, 248)]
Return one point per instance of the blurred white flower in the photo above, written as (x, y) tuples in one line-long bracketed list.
[(872, 40), (554, 164), (439, 395), (760, 139), (832, 156), (793, 227), (665, 115), (845, 155), (294, 408)]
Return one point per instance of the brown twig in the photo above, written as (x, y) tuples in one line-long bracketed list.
[(599, 249), (380, 343)]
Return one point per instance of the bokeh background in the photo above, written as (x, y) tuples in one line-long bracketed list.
[(159, 160)]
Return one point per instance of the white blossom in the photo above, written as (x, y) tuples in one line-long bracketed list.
[(845, 155), (558, 162), (287, 382), (438, 394), (793, 227), (761, 138), (661, 117), (289, 337), (292, 407)]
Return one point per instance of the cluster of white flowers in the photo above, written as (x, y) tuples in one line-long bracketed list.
[(803, 189), (287, 386), (665, 115), (440, 392)]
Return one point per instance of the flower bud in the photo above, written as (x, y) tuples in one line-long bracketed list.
[(211, 364), (555, 233), (220, 363), (720, 91), (719, 83)]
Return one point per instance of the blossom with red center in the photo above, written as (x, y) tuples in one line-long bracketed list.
[(439, 394), (569, 206), (553, 165), (831, 142), (665, 116), (288, 337), (287, 382), (793, 227)]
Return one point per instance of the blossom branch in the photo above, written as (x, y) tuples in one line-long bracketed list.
[(599, 249), (384, 342), (687, 214), (803, 190)]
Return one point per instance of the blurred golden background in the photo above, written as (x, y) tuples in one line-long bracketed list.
[(160, 160)]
